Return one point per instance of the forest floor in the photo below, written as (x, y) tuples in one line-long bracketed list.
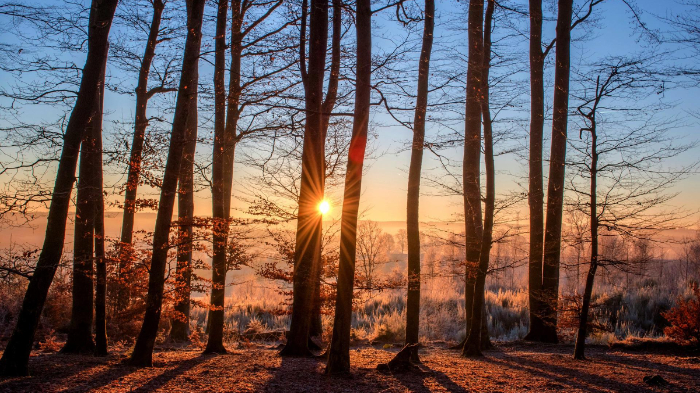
[(512, 367)]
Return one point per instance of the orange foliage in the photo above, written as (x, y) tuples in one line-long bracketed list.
[(685, 320)]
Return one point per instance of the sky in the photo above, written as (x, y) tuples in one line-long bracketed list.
[(385, 181)]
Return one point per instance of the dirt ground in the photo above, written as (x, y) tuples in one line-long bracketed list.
[(508, 368)]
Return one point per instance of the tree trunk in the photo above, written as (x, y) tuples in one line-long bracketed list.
[(339, 352), (414, 173), (180, 330), (132, 181), (473, 345), (555, 188), (220, 223), (536, 192), (100, 260), (80, 332), (316, 329), (471, 163), (588, 291), (309, 220), (143, 350), (16, 356)]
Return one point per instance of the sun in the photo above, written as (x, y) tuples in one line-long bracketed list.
[(324, 207)]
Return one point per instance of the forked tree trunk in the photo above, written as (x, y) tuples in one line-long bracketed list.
[(309, 220), (316, 329), (414, 174), (134, 173), (219, 223), (535, 190), (555, 188), (339, 352), (180, 330), (143, 349), (478, 330), (15, 359), (471, 163), (100, 260)]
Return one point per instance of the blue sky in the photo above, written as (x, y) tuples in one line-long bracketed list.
[(384, 185)]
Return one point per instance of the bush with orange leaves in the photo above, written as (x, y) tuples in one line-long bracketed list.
[(685, 319)]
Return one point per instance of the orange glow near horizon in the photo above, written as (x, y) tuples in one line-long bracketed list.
[(324, 207)]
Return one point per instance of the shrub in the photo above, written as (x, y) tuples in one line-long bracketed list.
[(685, 319)]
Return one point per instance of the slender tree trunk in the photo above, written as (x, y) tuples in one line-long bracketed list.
[(143, 350), (80, 332), (555, 189), (310, 221), (132, 182), (588, 291), (339, 352), (180, 330), (472, 153), (414, 173), (473, 345), (219, 224), (16, 356), (536, 192), (316, 329), (100, 260)]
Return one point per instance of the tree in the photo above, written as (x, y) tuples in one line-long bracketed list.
[(472, 346), (309, 219), (535, 183), (222, 151), (414, 173), (143, 349), (16, 356), (401, 236), (472, 155), (250, 90), (87, 200), (339, 352), (180, 329), (538, 53), (557, 166), (372, 247), (621, 156)]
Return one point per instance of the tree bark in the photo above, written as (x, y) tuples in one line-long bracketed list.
[(220, 224), (555, 188), (328, 105), (180, 330), (15, 359), (474, 342), (414, 174), (80, 332), (309, 220), (471, 163), (143, 350), (132, 182), (100, 260), (536, 192), (339, 352)]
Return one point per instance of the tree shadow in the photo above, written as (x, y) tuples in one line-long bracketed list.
[(415, 382), (560, 375), (165, 377)]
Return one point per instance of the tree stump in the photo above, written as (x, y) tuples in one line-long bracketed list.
[(402, 361)]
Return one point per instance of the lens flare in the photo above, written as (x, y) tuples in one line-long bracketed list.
[(324, 207)]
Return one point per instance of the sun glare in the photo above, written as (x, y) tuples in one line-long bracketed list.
[(324, 207)]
